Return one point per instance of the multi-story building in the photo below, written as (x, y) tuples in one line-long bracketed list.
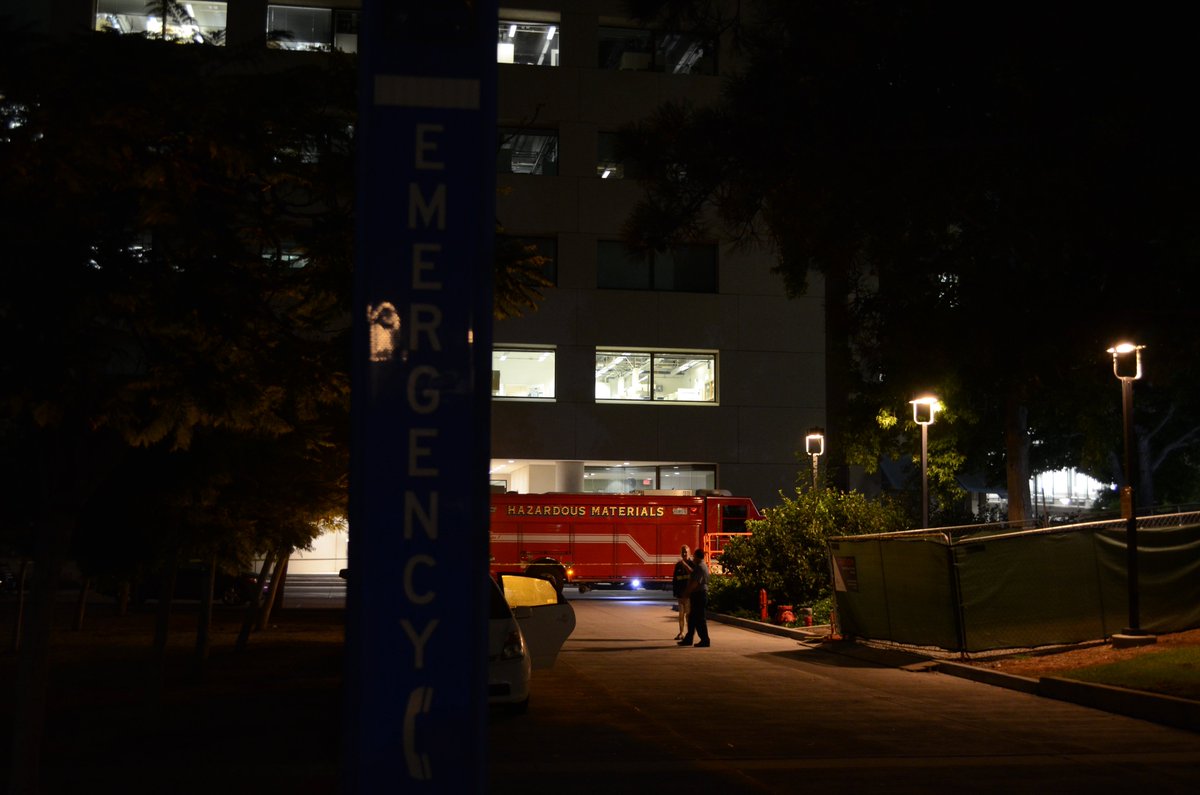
[(687, 369)]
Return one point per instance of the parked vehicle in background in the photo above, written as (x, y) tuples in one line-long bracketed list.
[(545, 616), (625, 540), (509, 666), (527, 626), (548, 569)]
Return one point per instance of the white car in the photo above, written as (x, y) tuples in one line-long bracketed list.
[(528, 624)]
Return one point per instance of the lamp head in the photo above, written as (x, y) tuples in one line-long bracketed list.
[(925, 409), (1127, 361), (814, 443)]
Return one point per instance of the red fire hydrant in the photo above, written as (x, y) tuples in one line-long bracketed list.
[(784, 614), (762, 604)]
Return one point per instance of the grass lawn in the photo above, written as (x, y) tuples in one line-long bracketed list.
[(1174, 672)]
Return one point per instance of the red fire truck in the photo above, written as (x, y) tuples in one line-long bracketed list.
[(627, 540)]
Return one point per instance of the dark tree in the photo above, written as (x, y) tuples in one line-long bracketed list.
[(177, 239), (991, 195)]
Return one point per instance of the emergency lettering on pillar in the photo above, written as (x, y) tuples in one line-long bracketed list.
[(426, 213)]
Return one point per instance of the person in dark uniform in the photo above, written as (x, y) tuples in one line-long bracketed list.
[(697, 593)]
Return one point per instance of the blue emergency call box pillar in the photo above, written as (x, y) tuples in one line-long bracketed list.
[(416, 663)]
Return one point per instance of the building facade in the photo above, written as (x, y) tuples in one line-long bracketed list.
[(687, 369)]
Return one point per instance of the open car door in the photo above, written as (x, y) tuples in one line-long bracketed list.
[(546, 618)]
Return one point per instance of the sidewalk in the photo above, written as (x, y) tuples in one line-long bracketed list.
[(1180, 713)]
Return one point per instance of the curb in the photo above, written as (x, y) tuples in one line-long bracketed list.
[(1182, 713), (1025, 684), (814, 633), (1179, 713)]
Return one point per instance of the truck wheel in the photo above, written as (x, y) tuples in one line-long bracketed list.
[(584, 589)]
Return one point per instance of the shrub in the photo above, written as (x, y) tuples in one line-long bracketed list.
[(787, 551), (726, 595)]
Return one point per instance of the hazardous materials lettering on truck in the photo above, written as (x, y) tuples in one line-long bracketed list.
[(612, 539)]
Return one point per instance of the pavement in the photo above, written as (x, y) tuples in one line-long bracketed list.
[(1180, 713)]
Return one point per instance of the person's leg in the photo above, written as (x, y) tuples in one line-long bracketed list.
[(684, 606), (700, 621), (691, 624)]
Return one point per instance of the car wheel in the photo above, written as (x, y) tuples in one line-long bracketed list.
[(231, 596)]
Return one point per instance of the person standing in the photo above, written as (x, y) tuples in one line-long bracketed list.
[(679, 584), (697, 593)]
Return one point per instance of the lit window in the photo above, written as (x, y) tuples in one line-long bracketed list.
[(619, 479), (687, 269), (295, 28), (531, 43), (185, 23), (626, 478), (519, 372), (669, 376), (345, 30), (312, 29), (527, 152)]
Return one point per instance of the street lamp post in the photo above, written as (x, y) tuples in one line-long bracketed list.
[(1127, 367), (925, 410), (814, 445)]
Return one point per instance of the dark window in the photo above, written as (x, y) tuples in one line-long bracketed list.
[(545, 247), (617, 269), (624, 48), (609, 162), (684, 54), (688, 268)]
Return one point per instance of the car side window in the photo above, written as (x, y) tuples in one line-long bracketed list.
[(529, 592)]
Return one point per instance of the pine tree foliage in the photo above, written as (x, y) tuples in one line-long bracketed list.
[(178, 228), (520, 281)]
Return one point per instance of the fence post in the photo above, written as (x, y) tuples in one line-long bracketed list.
[(960, 619)]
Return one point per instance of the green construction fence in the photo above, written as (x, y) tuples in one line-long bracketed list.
[(982, 588)]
